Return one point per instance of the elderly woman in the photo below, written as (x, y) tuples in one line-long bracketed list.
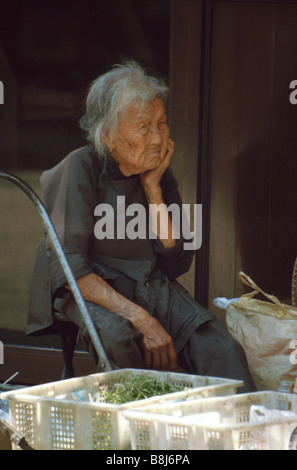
[(144, 318)]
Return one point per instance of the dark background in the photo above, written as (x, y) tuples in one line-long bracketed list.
[(54, 50)]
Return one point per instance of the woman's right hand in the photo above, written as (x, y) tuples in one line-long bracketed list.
[(157, 345)]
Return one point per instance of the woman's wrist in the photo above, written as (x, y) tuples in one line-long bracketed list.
[(153, 194), (138, 317)]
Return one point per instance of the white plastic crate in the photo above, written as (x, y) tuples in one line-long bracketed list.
[(50, 419), (216, 424)]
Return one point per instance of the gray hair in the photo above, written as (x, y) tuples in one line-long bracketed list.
[(112, 93)]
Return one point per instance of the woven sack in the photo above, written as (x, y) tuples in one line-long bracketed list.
[(267, 332)]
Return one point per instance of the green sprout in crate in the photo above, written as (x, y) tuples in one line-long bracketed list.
[(136, 388)]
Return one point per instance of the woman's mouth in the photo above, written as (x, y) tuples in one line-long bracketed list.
[(155, 153)]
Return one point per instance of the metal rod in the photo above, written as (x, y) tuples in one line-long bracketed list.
[(104, 363), (8, 380), (14, 436)]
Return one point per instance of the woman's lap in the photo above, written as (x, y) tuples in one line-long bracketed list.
[(210, 351)]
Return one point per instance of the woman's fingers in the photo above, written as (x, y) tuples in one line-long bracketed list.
[(167, 157), (147, 358), (157, 345), (154, 176), (159, 358), (156, 359), (172, 357)]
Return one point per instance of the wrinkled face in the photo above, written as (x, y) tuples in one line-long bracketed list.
[(141, 139)]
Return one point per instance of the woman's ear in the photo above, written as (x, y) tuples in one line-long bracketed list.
[(106, 134)]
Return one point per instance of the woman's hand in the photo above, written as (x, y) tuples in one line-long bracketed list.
[(161, 220), (157, 346), (151, 179)]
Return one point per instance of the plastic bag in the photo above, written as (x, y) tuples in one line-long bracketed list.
[(4, 411), (267, 332), (222, 302), (261, 414)]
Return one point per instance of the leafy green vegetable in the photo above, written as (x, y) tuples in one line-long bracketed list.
[(135, 388)]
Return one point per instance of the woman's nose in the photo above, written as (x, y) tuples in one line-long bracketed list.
[(155, 135)]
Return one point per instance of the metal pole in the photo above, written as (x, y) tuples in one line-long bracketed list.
[(104, 363), (14, 436)]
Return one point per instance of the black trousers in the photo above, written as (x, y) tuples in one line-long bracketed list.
[(210, 351)]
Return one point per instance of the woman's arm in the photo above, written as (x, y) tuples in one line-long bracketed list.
[(160, 186), (157, 346), (69, 191), (151, 183)]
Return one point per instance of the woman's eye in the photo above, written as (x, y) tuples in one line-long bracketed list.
[(162, 124)]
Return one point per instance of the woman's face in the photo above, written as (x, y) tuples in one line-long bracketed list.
[(141, 139)]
